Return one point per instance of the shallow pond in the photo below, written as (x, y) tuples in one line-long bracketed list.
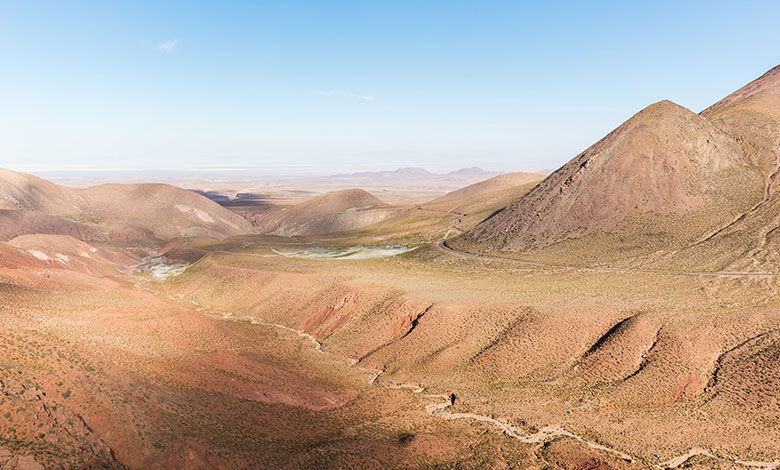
[(352, 252), (157, 269)]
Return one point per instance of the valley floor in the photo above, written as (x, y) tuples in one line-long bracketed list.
[(249, 359)]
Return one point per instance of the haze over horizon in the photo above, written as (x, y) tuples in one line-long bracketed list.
[(346, 87), (368, 235)]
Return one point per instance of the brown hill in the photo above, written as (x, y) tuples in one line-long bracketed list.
[(432, 221), (664, 161), (60, 262), (20, 191), (161, 211), (335, 212), (497, 183), (766, 84), (121, 212), (19, 222), (752, 115), (65, 252)]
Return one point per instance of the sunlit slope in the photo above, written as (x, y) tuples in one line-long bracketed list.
[(116, 212), (751, 116), (337, 212), (615, 355), (491, 185), (139, 211), (452, 213), (20, 191), (666, 171)]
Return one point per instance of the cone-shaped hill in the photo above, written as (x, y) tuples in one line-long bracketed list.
[(664, 161)]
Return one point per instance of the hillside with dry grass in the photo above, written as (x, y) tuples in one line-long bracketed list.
[(620, 314), (664, 162), (336, 212), (491, 185), (751, 116)]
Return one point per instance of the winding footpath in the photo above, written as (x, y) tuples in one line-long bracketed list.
[(438, 407), (441, 402), (554, 431)]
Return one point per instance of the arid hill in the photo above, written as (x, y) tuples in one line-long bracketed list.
[(118, 212), (20, 191), (60, 262), (497, 183), (140, 211), (452, 213), (752, 116), (335, 212), (664, 164), (19, 222), (68, 253)]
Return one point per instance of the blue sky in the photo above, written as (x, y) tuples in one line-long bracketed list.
[(325, 87)]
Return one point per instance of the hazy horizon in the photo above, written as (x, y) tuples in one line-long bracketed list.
[(389, 235), (82, 176), (261, 171), (316, 89)]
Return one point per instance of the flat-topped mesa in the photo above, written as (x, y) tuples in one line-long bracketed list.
[(666, 159)]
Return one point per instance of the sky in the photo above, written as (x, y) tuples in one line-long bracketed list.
[(329, 86)]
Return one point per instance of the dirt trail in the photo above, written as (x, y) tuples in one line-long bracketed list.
[(515, 432), (453, 227), (769, 191), (444, 247), (439, 409)]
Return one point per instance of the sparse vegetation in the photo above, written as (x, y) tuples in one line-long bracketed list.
[(616, 339)]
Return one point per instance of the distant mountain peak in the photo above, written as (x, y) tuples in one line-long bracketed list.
[(473, 171), (405, 172), (411, 171)]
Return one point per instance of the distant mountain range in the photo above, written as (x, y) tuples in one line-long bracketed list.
[(411, 172)]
